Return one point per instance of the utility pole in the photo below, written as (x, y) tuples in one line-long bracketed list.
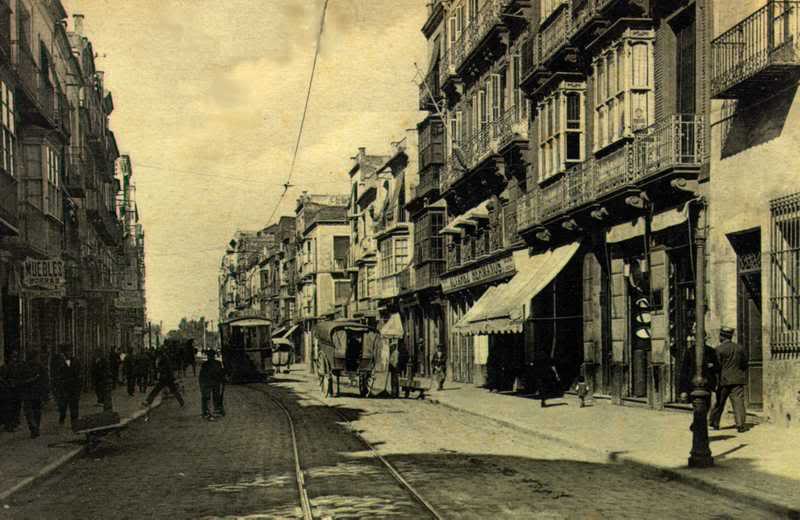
[(700, 456)]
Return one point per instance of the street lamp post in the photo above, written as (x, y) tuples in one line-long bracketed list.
[(700, 456)]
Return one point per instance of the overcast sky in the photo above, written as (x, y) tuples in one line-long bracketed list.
[(208, 97)]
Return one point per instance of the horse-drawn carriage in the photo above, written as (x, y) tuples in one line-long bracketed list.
[(345, 348)]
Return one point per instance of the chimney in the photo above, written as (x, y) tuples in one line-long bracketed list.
[(362, 154), (77, 21)]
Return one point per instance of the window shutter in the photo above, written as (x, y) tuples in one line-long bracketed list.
[(619, 331)]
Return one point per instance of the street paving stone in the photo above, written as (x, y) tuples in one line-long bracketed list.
[(241, 467)]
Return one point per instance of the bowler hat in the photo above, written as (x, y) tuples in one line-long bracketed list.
[(726, 331)]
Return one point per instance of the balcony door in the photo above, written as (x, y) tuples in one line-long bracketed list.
[(748, 311), (685, 32)]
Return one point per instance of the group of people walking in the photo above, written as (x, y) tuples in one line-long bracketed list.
[(27, 383)]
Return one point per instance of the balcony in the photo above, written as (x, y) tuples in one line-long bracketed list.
[(555, 34), (430, 94), (428, 184), (488, 22), (512, 128), (471, 154), (74, 178), (104, 219), (389, 286), (447, 69), (673, 147), (759, 54), (37, 101), (9, 220)]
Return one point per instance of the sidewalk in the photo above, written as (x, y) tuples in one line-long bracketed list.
[(24, 460), (761, 465)]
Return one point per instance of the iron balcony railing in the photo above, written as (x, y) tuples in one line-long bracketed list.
[(555, 34), (429, 90), (446, 66), (487, 18), (672, 143), (769, 36), (513, 125)]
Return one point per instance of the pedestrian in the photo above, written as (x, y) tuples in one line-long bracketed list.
[(733, 377), (212, 377), (128, 371), (67, 385), (547, 379), (166, 379), (439, 366), (710, 375), (141, 370), (191, 356), (394, 370), (113, 366), (582, 390), (102, 381), (34, 389), (10, 403)]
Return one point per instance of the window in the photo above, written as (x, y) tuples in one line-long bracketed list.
[(561, 129), (341, 292), (623, 90), (386, 258), (784, 298), (428, 243), (370, 281), (400, 253), (53, 175), (8, 139)]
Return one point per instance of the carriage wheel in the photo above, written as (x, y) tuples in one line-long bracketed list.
[(325, 386)]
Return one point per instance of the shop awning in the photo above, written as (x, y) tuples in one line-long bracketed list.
[(278, 333), (393, 328), (501, 309), (660, 222)]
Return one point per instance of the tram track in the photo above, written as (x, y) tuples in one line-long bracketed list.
[(305, 503)]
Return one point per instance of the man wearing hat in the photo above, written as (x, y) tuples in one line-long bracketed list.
[(733, 376)]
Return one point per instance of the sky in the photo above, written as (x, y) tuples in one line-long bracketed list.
[(208, 98)]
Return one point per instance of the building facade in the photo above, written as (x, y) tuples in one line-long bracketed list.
[(63, 255)]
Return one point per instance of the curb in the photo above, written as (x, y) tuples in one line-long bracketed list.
[(741, 495), (66, 458)]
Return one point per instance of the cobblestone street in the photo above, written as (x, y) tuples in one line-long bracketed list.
[(179, 466)]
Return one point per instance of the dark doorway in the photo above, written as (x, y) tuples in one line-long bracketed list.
[(748, 310)]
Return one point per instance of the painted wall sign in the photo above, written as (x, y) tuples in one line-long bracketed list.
[(480, 274), (44, 278)]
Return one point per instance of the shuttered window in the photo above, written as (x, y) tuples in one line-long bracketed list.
[(561, 129)]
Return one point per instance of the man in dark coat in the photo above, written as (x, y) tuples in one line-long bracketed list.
[(34, 389), (710, 374), (67, 385), (10, 404), (102, 381), (166, 379), (733, 377), (212, 377), (113, 366), (141, 370), (128, 372)]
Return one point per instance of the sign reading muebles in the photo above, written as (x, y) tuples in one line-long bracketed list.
[(43, 275), (480, 274)]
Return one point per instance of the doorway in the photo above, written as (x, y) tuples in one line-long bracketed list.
[(748, 311)]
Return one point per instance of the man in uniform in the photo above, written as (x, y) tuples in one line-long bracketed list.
[(733, 377)]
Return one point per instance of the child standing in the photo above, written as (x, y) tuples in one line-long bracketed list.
[(582, 389)]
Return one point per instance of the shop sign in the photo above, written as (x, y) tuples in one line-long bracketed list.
[(44, 278), (480, 274)]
